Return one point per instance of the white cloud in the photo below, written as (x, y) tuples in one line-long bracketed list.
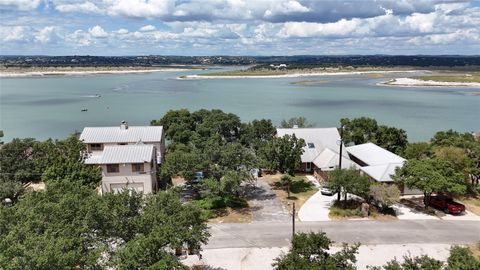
[(122, 31), (140, 8), (147, 28), (285, 7), (79, 38), (87, 7), (20, 4), (97, 32), (46, 34), (13, 34)]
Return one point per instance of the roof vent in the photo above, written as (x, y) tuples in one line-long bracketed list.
[(124, 125)]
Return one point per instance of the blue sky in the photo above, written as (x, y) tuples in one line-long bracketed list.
[(239, 27)]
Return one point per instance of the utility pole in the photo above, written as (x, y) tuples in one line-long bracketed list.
[(293, 221), (341, 146)]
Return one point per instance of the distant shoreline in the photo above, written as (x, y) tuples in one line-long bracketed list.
[(41, 72), (411, 82), (294, 75)]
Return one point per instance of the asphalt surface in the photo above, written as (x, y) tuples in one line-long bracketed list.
[(278, 234), (265, 205)]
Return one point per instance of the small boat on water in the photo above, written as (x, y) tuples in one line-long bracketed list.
[(84, 110)]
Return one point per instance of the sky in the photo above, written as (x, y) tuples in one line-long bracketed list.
[(239, 27)]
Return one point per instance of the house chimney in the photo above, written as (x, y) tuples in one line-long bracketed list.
[(124, 125), (295, 126)]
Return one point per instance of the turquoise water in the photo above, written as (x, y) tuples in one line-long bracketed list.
[(51, 106)]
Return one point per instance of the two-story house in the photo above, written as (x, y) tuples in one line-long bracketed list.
[(127, 167), (128, 155)]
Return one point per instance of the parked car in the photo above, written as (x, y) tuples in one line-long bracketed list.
[(326, 191), (446, 204), (197, 178)]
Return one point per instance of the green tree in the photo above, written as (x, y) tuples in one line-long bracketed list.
[(421, 150), (412, 263), (10, 189), (179, 125), (431, 175), (300, 122), (452, 138), (286, 182), (69, 226), (456, 157), (385, 195), (359, 130), (50, 230), (362, 130), (16, 161), (461, 258), (74, 171), (284, 153), (349, 181), (311, 251), (166, 223)]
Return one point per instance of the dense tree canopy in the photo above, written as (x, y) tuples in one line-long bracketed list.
[(364, 129), (431, 175), (311, 251), (69, 226), (349, 181), (283, 153), (299, 122)]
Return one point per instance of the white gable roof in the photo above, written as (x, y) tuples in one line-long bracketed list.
[(382, 173), (328, 160), (116, 154), (118, 135), (381, 162), (373, 154), (321, 148)]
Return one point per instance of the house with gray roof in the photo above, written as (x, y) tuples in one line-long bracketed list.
[(321, 151)]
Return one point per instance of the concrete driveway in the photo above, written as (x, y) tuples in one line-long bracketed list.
[(316, 208), (406, 213)]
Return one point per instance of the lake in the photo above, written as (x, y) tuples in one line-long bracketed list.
[(50, 106)]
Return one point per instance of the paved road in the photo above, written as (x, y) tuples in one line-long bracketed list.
[(265, 205), (270, 234)]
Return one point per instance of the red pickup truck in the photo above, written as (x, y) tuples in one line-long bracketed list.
[(446, 204)]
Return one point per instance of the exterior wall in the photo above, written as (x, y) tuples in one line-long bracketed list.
[(146, 180)]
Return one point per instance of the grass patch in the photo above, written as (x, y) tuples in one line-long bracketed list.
[(352, 209), (300, 190), (348, 209), (471, 78), (475, 249), (219, 209)]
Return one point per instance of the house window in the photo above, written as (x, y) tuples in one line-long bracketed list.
[(96, 147), (113, 168), (138, 168), (311, 145)]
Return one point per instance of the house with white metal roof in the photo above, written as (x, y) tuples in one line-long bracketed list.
[(378, 163), (127, 167), (321, 151), (97, 138), (129, 156)]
